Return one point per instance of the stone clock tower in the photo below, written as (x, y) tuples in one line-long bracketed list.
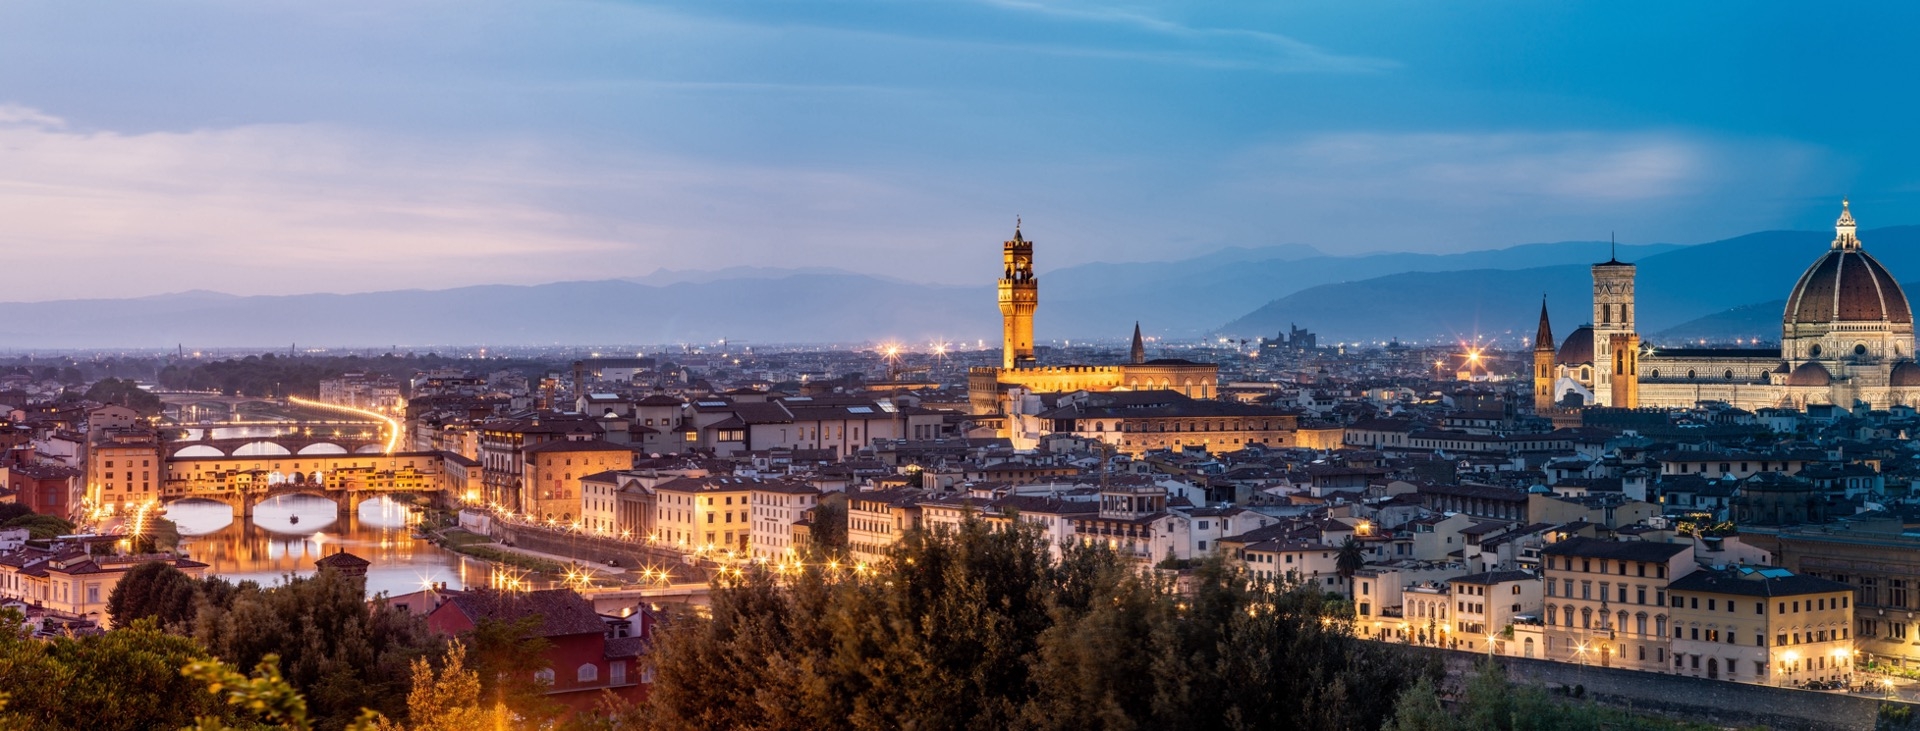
[(1019, 295)]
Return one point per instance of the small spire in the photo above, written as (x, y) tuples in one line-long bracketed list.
[(1139, 353), (1613, 248), (1543, 339)]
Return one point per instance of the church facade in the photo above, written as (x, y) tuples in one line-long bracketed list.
[(1846, 337), (990, 390)]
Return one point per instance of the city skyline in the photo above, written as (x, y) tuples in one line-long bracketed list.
[(273, 149)]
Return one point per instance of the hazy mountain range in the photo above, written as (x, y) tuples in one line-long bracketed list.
[(1735, 288), (1729, 288)]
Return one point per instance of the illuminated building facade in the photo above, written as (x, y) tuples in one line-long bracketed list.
[(1846, 338), (1019, 296), (1606, 601), (1762, 625), (551, 489), (123, 469), (990, 389)]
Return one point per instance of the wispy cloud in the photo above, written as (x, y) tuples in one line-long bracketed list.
[(305, 208), (1218, 47), (1441, 189)]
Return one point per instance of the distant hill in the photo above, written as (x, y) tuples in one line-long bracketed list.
[(1675, 287), (1190, 297), (811, 308), (1180, 298), (1746, 321)]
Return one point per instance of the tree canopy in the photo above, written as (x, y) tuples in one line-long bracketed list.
[(982, 628), (125, 679), (341, 651), (157, 591)]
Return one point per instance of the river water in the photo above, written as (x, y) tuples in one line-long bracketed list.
[(288, 533)]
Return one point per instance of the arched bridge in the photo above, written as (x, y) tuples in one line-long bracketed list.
[(282, 445), (244, 501), (347, 479)]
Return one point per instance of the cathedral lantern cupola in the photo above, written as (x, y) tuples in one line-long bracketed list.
[(1843, 230)]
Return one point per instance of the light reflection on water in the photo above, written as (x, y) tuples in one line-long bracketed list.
[(288, 533)]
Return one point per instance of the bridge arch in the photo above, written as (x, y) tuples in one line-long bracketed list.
[(262, 448), (371, 449), (199, 450), (322, 448)]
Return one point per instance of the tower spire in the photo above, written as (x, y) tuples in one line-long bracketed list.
[(1543, 339), (1139, 354)]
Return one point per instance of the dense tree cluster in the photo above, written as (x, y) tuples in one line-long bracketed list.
[(340, 651), (338, 655), (270, 375), (39, 527), (981, 629), (343, 652), (126, 679), (168, 596), (125, 393), (70, 372), (829, 526)]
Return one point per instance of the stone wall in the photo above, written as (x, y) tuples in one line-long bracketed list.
[(1715, 702), (597, 550)]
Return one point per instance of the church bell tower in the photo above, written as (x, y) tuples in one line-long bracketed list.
[(1612, 316), (1543, 363), (1019, 295)]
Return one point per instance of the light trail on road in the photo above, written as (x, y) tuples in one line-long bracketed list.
[(393, 425)]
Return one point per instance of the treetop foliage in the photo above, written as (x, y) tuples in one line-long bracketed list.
[(983, 628)]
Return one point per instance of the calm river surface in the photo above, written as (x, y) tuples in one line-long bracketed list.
[(287, 534)]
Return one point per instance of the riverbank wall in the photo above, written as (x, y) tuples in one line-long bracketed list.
[(598, 551), (1700, 700)]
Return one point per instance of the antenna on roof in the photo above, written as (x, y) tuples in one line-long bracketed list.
[(1613, 247)]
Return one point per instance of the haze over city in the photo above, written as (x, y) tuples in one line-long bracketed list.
[(1042, 365), (257, 148)]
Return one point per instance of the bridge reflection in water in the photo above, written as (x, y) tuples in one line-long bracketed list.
[(288, 533)]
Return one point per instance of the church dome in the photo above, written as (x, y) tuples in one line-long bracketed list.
[(1810, 373), (1847, 285), (1576, 349), (1905, 375)]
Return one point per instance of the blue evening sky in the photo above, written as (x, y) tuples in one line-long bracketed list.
[(256, 146)]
